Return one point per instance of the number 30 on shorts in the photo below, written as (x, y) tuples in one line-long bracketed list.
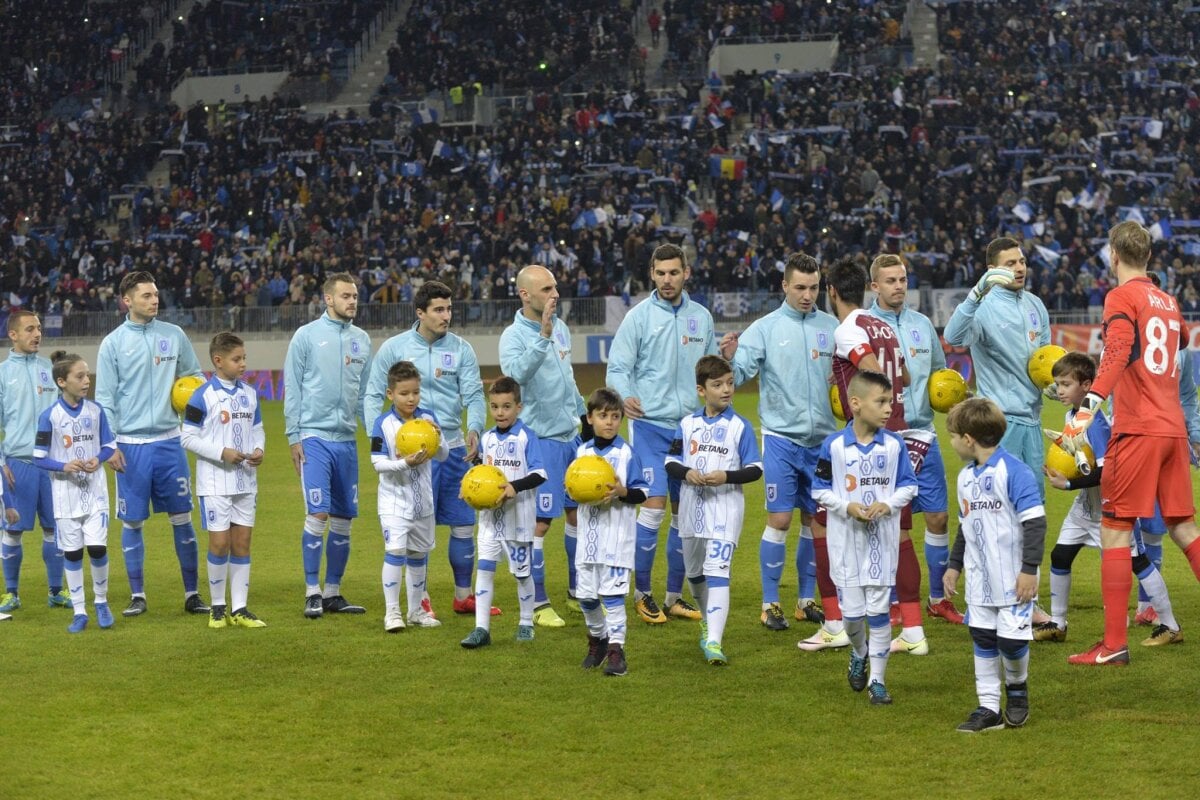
[(721, 551)]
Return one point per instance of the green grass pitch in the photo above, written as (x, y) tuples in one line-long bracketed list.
[(163, 707)]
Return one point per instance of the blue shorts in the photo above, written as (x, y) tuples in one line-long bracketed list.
[(1155, 526), (448, 507), (552, 497), (788, 469), (154, 472), (30, 494), (932, 491), (329, 477), (650, 443)]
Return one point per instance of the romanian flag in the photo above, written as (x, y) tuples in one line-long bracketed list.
[(727, 167)]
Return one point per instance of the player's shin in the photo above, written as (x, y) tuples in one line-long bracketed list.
[(485, 588), (937, 553), (676, 571), (879, 634), (648, 522), (52, 557), (806, 566), (414, 578), (186, 551), (987, 669), (392, 575), (134, 551), (1116, 580), (772, 552), (570, 540), (12, 553), (829, 599), (717, 608), (74, 575), (337, 555), (617, 619), (461, 553), (99, 563), (218, 578), (539, 572), (239, 581)]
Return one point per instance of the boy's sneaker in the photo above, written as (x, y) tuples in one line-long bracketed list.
[(216, 617), (59, 599), (525, 633), (597, 649), (393, 620), (423, 619), (615, 660), (10, 601), (78, 624), (479, 637), (823, 639), (1147, 617), (340, 605), (313, 607), (714, 655), (192, 604), (772, 618), (811, 612), (649, 611), (466, 606), (1016, 705), (945, 609), (682, 609), (1049, 632), (879, 694), (981, 719), (857, 674), (1100, 656), (547, 617), (1163, 635), (137, 607), (902, 645), (244, 618), (104, 616)]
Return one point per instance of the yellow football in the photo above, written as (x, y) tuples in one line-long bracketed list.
[(183, 390), (1042, 362), (1060, 460), (415, 434), (947, 388), (835, 402), (588, 477), (483, 486)]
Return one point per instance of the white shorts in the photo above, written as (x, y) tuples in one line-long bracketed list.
[(594, 581), (1078, 528), (864, 601), (519, 555), (1009, 622), (76, 533), (718, 555), (219, 511), (402, 533), (693, 556)]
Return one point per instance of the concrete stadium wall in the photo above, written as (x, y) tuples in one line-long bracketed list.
[(230, 88), (726, 59)]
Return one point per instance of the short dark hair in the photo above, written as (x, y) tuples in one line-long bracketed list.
[(865, 378), (402, 371), (710, 368), (979, 418), (1080, 366), (506, 385), (800, 262), (430, 291), (849, 278), (17, 315), (61, 362), (605, 399), (132, 279), (668, 252), (996, 247), (223, 343), (334, 278)]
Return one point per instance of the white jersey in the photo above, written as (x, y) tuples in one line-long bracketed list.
[(993, 502), (863, 553), (66, 434), (724, 442), (220, 415), (608, 531), (517, 452), (404, 491)]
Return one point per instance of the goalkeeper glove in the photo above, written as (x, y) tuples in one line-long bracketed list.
[(1051, 392), (996, 276), (1074, 434)]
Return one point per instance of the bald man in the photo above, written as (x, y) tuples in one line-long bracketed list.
[(535, 351)]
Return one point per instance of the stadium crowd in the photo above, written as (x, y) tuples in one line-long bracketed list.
[(1097, 126)]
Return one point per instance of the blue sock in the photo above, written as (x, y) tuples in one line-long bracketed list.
[(135, 556), (771, 556), (806, 567), (337, 556), (462, 560), (675, 569), (12, 555), (189, 556), (894, 596), (643, 560), (311, 546), (539, 572), (569, 542), (936, 557), (53, 559)]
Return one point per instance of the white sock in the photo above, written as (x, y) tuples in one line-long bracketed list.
[(834, 626), (414, 578), (671, 598), (392, 576), (218, 576), (100, 582), (1060, 591), (987, 682), (1015, 671), (617, 620), (332, 590), (1156, 587), (239, 582), (485, 587), (596, 624), (718, 612), (75, 587), (881, 645), (912, 635), (525, 595), (856, 629)]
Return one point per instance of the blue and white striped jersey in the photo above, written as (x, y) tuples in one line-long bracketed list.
[(608, 531), (404, 491), (217, 416), (993, 502), (724, 442), (863, 553), (65, 434), (517, 452)]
